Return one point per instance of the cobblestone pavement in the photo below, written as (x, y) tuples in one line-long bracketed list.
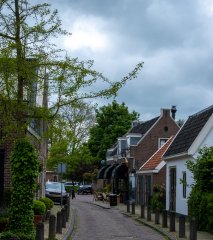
[(96, 223)]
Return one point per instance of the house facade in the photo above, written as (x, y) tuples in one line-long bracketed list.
[(155, 170), (135, 148), (196, 133), (35, 131)]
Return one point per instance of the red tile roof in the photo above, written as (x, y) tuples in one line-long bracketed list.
[(156, 158)]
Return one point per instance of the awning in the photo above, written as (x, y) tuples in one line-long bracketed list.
[(101, 172), (109, 170), (120, 172)]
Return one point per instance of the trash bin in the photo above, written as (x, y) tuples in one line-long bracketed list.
[(113, 199)]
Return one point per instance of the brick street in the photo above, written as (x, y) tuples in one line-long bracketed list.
[(97, 223)]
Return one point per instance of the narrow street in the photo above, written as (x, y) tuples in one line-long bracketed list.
[(97, 223)]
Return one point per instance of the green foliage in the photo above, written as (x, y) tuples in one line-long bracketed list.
[(24, 169), (200, 202), (158, 200), (107, 188), (9, 235), (113, 121), (68, 188), (26, 45), (39, 207), (48, 202)]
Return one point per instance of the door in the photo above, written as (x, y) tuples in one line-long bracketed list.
[(141, 194), (148, 190), (172, 189)]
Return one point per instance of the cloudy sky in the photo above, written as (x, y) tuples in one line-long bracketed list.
[(174, 39)]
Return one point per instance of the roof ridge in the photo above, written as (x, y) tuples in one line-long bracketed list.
[(202, 111)]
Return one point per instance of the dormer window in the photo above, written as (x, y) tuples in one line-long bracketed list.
[(122, 145)]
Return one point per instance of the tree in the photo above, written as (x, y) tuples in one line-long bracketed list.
[(30, 63), (113, 121), (69, 132)]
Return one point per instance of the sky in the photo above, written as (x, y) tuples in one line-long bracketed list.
[(174, 39)]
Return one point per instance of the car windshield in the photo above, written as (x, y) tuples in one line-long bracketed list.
[(55, 185)]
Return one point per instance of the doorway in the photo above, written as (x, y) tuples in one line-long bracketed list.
[(172, 189)]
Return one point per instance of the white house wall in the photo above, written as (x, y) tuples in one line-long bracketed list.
[(208, 141), (180, 164), (181, 203)]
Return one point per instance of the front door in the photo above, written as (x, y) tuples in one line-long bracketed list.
[(148, 189), (172, 189)]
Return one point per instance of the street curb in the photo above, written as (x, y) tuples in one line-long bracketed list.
[(100, 205), (158, 229), (72, 224)]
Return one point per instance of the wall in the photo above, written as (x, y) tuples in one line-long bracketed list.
[(181, 203), (149, 144)]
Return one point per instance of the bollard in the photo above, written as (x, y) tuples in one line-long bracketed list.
[(66, 209), (133, 207), (128, 206), (40, 231), (182, 226), (149, 217), (142, 210), (52, 227), (59, 223), (63, 217), (157, 216), (48, 213), (172, 221), (164, 218), (193, 230)]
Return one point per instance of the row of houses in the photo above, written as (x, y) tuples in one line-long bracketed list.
[(154, 153)]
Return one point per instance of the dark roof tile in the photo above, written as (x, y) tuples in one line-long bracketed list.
[(189, 132), (142, 128)]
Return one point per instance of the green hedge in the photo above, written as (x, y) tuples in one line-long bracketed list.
[(24, 169), (200, 202)]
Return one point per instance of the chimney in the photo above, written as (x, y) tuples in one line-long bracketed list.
[(135, 123), (173, 111)]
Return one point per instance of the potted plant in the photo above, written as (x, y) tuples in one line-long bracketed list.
[(49, 204), (39, 209)]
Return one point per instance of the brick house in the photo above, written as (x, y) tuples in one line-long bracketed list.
[(196, 133), (35, 132), (136, 147), (154, 170)]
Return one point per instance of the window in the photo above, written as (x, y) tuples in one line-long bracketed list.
[(184, 184), (162, 141)]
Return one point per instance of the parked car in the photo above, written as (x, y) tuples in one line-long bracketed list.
[(56, 192), (85, 189)]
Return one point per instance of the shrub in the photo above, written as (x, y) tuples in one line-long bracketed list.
[(24, 171), (48, 202), (39, 207), (158, 200), (8, 235), (200, 202)]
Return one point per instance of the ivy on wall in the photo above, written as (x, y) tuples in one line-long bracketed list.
[(24, 167)]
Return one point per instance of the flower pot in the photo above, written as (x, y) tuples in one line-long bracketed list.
[(37, 219)]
